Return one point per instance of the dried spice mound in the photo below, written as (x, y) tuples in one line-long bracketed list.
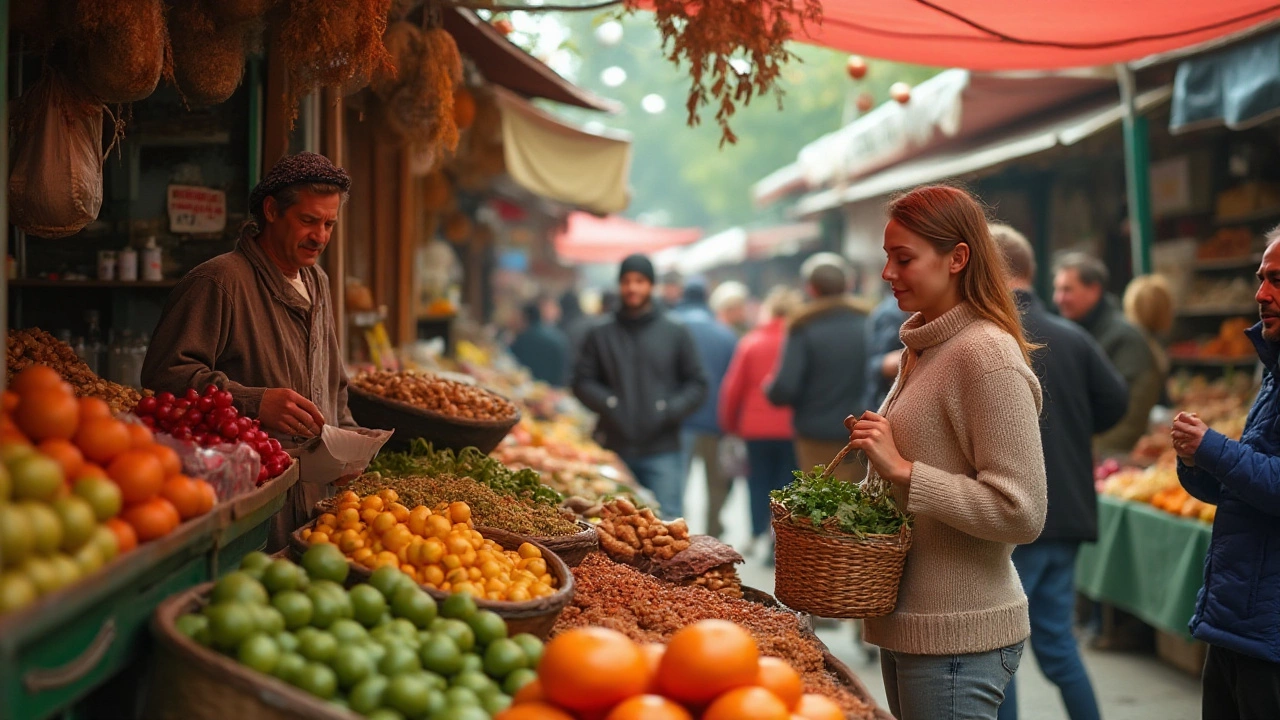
[(35, 346), (735, 50), (424, 460), (330, 43), (645, 609), (488, 508), (119, 48)]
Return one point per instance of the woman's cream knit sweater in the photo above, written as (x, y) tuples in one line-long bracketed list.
[(965, 411)]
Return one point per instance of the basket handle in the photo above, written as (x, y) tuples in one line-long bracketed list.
[(873, 484), (41, 679), (839, 458)]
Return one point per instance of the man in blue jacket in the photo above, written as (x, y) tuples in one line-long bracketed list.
[(1238, 611), (701, 434)]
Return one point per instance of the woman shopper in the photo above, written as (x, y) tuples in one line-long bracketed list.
[(1148, 305), (958, 439), (745, 411)]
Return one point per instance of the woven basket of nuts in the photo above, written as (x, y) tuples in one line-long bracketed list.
[(446, 413)]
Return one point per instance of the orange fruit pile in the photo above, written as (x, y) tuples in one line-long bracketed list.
[(438, 547), (711, 670), (86, 442)]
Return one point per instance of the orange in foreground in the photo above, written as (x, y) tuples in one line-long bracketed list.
[(48, 413), (533, 711), (589, 669), (139, 475), (649, 707), (152, 519), (126, 536), (707, 659), (779, 678), (818, 707), (747, 703)]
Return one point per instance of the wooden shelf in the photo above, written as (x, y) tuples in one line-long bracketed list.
[(1219, 311), (92, 284), (1212, 361), (1247, 218), (1236, 263)]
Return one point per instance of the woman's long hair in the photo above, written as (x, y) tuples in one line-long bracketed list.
[(946, 216)]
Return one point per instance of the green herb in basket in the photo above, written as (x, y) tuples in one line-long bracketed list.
[(817, 497), (423, 459)]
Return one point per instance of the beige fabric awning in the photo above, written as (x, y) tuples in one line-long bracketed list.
[(556, 160)]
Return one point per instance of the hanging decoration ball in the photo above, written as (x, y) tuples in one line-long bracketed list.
[(457, 228), (857, 67), (865, 102), (609, 33), (901, 92), (503, 26)]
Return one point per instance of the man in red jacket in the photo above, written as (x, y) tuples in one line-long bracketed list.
[(745, 411)]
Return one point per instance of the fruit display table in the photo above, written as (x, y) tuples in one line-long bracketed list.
[(1146, 562)]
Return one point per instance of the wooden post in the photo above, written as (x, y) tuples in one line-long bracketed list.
[(333, 139), (275, 126), (406, 244)]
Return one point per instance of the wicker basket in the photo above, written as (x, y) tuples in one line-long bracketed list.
[(535, 617), (191, 682), (409, 422), (828, 573), (572, 549)]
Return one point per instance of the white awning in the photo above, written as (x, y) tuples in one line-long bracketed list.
[(724, 248), (972, 157)]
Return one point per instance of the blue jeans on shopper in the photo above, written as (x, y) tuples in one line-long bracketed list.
[(664, 475), (1048, 571), (769, 467), (948, 687)]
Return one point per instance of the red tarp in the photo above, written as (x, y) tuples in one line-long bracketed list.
[(591, 239), (1029, 34)]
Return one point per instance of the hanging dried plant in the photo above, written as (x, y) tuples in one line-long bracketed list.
[(208, 60), (437, 193), (420, 107), (403, 41), (464, 108), (119, 48), (330, 43), (735, 49)]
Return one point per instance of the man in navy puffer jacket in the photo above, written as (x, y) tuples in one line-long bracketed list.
[(1238, 611)]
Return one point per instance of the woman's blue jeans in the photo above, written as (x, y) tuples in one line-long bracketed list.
[(948, 687)]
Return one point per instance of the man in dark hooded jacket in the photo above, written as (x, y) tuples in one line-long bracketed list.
[(639, 371), (542, 348)]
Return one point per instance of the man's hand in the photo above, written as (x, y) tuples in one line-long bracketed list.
[(872, 435), (286, 412), (1188, 431)]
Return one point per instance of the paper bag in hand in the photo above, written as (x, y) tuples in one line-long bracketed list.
[(339, 453)]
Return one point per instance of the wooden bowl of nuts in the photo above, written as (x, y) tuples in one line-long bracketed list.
[(445, 412)]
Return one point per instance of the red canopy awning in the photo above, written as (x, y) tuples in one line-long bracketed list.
[(1029, 34), (587, 238)]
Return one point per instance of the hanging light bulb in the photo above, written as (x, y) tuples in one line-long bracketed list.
[(901, 92), (609, 33), (653, 103), (865, 102), (613, 76)]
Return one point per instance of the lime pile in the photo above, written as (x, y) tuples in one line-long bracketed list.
[(383, 649)]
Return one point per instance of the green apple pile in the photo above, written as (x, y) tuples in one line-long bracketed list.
[(383, 649)]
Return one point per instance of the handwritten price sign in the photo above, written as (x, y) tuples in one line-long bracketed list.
[(196, 209)]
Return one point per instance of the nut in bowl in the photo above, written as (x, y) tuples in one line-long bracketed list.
[(421, 405)]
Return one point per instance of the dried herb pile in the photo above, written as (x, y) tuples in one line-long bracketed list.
[(645, 609), (818, 498), (423, 460)]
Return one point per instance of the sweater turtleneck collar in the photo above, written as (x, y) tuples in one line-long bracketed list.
[(919, 335)]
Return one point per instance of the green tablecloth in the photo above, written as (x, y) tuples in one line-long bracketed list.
[(1146, 562)]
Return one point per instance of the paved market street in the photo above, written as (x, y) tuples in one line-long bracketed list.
[(1129, 686)]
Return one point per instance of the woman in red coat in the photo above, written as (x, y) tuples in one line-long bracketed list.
[(745, 412)]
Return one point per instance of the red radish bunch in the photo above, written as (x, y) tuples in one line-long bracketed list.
[(209, 420)]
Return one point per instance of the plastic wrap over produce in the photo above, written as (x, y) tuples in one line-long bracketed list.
[(232, 469)]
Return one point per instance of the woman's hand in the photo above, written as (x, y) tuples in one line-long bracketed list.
[(872, 435)]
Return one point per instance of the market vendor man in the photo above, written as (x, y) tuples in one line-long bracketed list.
[(1238, 610), (258, 321)]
